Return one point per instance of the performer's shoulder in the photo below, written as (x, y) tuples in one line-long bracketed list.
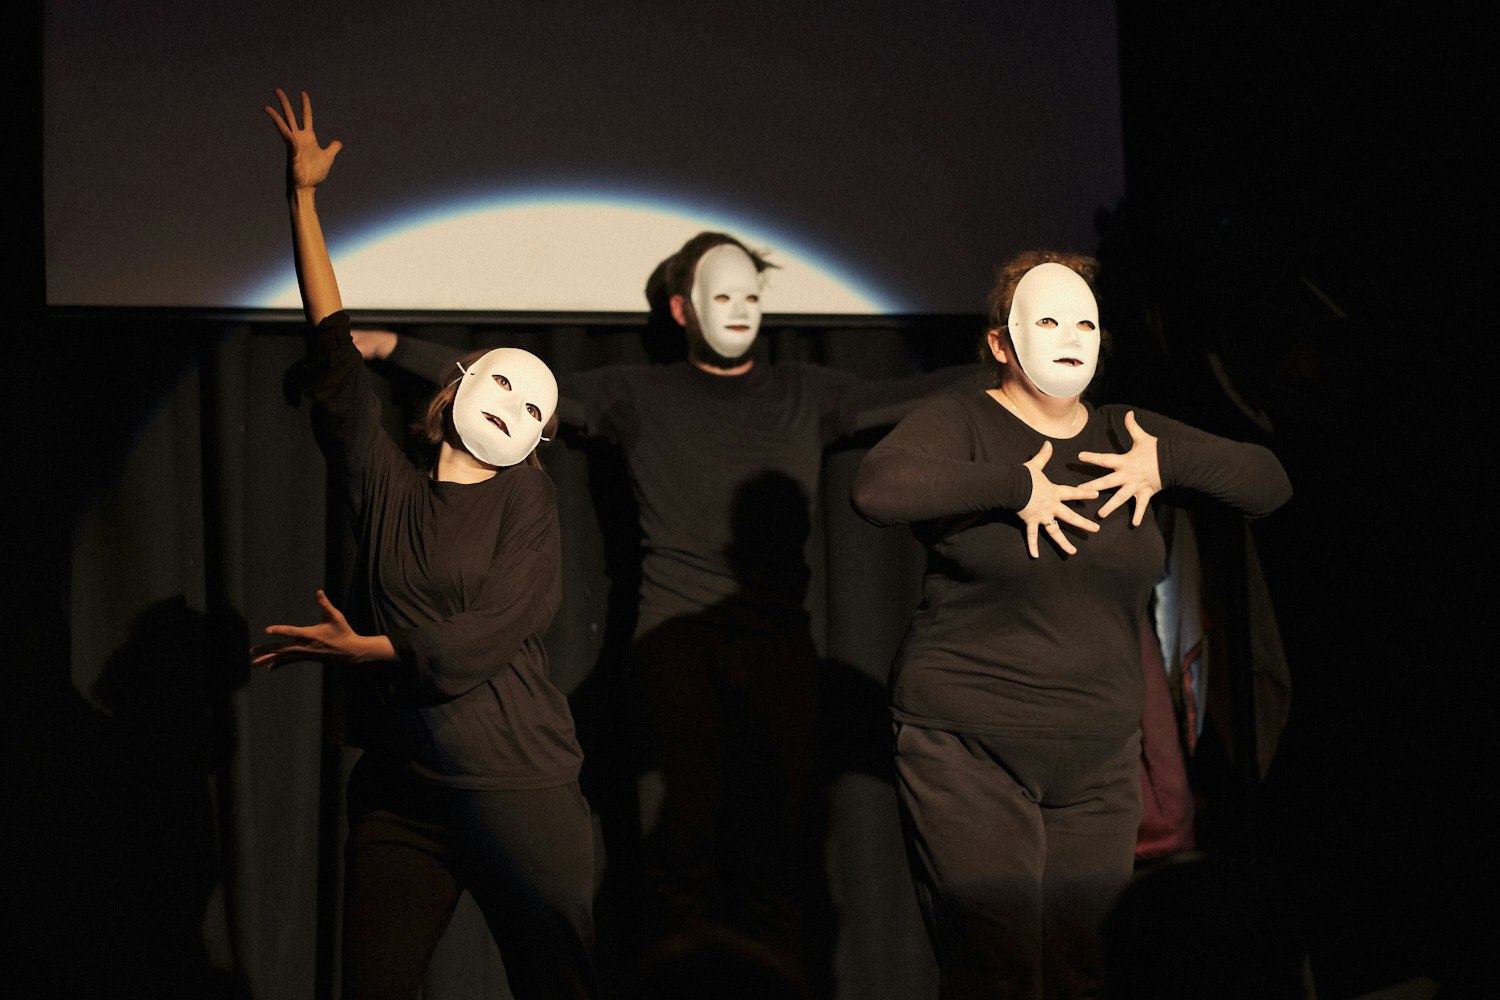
[(525, 486)]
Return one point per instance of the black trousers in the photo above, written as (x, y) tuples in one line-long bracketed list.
[(526, 856), (1017, 846), (732, 714)]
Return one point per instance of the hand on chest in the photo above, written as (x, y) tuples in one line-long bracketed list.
[(1016, 444)]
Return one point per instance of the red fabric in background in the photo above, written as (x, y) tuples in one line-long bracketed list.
[(1166, 800)]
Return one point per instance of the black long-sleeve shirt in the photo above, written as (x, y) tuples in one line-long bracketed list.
[(694, 442), (1002, 643), (463, 578)]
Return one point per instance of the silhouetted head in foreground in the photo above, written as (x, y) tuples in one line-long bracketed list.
[(715, 962), (1204, 926)]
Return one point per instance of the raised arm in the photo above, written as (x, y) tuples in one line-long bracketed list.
[(307, 166), (346, 412)]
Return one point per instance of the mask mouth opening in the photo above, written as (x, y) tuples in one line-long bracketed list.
[(1070, 362), (497, 422)]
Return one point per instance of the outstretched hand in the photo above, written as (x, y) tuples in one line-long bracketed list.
[(307, 163), (1048, 505), (1136, 473), (374, 344), (330, 641)]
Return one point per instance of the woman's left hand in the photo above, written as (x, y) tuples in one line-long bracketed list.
[(1136, 472), (330, 641)]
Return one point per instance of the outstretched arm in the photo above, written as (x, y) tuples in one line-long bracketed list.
[(374, 345), (923, 471), (883, 402), (331, 641), (1247, 477), (307, 166), (438, 364)]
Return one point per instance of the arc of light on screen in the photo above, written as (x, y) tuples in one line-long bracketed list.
[(572, 251)]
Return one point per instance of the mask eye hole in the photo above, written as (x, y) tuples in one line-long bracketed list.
[(721, 297), (536, 414), (1085, 325), (752, 298), (502, 382), (1046, 322)]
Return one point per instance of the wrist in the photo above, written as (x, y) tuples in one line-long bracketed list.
[(375, 649)]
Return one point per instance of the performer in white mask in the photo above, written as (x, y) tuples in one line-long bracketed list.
[(724, 317), (1017, 692), (501, 404), (468, 775)]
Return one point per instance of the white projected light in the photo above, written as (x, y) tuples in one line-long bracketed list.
[(556, 254)]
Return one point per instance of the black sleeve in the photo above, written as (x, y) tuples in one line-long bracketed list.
[(597, 401), (521, 593), (925, 470), (345, 411), (1247, 477), (437, 363), (882, 402)]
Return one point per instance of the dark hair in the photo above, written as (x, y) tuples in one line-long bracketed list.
[(1008, 276), (436, 425), (674, 276)]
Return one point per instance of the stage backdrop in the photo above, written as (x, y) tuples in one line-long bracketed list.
[(500, 159), (529, 155)]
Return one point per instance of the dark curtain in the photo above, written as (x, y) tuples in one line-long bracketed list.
[(181, 822)]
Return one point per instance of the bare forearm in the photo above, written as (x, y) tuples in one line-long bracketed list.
[(315, 277), (374, 649)]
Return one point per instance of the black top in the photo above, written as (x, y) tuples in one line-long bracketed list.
[(1003, 643), (701, 447), (462, 577)]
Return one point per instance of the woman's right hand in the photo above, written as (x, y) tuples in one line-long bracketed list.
[(1048, 505), (307, 163)]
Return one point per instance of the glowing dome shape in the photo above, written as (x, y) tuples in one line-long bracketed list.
[(559, 253)]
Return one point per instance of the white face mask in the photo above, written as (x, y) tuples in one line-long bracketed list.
[(1054, 328), (726, 300), (503, 402)]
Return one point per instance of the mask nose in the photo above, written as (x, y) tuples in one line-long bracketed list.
[(515, 408), (1071, 337), (738, 309)]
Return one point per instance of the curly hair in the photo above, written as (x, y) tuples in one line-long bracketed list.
[(436, 425), (1008, 276)]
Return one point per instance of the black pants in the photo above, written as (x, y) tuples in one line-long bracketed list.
[(1018, 846), (731, 713), (527, 858)]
